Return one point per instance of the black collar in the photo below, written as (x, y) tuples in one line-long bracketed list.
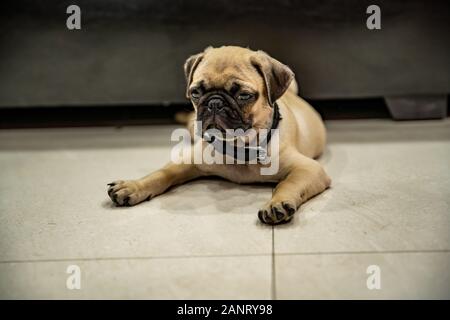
[(275, 120), (249, 153)]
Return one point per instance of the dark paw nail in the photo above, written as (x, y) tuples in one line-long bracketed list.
[(112, 184), (125, 201), (278, 213), (290, 209), (262, 215), (267, 217), (148, 198)]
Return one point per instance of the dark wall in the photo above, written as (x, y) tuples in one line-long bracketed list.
[(132, 51)]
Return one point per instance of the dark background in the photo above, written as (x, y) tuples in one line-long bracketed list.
[(125, 64)]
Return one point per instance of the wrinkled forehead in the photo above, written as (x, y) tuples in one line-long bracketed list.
[(227, 73)]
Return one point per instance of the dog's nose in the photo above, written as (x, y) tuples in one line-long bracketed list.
[(215, 104)]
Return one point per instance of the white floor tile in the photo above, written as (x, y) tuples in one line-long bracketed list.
[(388, 192), (54, 204), (344, 276), (188, 278)]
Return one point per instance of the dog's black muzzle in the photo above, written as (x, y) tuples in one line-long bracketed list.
[(216, 103)]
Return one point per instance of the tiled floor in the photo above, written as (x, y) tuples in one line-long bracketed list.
[(389, 206)]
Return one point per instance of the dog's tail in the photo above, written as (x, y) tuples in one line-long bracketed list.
[(293, 87), (184, 117)]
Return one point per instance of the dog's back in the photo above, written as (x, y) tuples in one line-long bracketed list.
[(310, 128)]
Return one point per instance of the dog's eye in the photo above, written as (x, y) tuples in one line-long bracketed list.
[(195, 93), (244, 96)]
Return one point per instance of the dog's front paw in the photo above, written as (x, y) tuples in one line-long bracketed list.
[(277, 212), (127, 193)]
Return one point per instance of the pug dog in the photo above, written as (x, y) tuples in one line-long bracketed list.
[(236, 88)]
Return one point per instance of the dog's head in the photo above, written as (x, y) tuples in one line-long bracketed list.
[(235, 88)]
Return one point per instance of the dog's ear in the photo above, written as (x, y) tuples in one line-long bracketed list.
[(189, 67), (277, 76)]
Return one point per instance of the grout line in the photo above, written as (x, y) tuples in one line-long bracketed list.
[(139, 258), (273, 282), (359, 252), (273, 275), (272, 255)]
